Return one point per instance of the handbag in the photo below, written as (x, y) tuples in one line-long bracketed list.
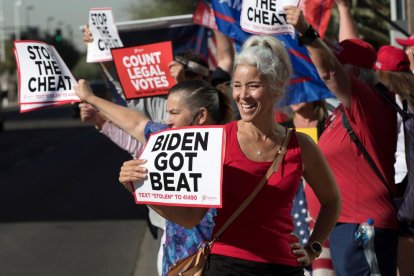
[(193, 265)]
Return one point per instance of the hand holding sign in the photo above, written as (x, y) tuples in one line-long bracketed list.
[(294, 17), (83, 90), (133, 171)]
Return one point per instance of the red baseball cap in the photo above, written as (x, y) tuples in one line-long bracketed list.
[(356, 52), (391, 58), (406, 41)]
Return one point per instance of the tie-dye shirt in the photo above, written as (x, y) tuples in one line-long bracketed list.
[(180, 241)]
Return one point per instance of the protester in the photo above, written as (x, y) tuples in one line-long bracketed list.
[(408, 43), (374, 123), (393, 70), (251, 145), (187, 66), (189, 103)]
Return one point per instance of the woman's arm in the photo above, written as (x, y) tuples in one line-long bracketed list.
[(347, 28), (133, 170), (133, 122), (322, 181), (330, 70)]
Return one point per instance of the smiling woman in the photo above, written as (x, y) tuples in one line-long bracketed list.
[(261, 72)]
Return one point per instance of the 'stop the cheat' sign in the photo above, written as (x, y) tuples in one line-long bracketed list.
[(105, 35), (44, 78)]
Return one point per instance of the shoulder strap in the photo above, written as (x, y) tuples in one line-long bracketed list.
[(354, 138), (383, 91), (273, 168)]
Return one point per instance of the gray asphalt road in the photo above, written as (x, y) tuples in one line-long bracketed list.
[(62, 210)]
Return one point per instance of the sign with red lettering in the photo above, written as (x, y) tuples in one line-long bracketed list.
[(184, 167), (143, 70), (266, 16), (104, 33), (43, 77)]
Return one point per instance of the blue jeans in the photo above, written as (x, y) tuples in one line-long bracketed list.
[(349, 258)]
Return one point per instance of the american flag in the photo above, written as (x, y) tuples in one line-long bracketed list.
[(300, 215), (303, 223)]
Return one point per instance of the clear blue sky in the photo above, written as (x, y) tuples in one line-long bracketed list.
[(63, 13)]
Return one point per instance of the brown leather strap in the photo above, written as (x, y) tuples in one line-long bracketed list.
[(273, 168)]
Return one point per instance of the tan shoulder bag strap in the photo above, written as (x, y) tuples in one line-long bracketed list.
[(273, 168)]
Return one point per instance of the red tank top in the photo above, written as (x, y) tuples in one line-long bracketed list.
[(262, 232)]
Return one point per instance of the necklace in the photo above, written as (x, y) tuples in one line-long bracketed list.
[(259, 153)]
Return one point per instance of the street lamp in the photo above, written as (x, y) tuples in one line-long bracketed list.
[(49, 24), (17, 5), (27, 19), (70, 31), (2, 41)]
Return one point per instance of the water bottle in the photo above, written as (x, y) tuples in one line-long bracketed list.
[(364, 237)]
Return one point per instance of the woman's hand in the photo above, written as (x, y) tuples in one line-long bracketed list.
[(90, 115), (294, 17), (83, 90), (87, 34), (303, 257), (131, 171), (177, 71)]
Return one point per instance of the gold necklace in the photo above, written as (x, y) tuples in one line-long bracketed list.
[(259, 153)]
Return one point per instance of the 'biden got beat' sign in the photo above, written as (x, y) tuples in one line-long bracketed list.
[(184, 168)]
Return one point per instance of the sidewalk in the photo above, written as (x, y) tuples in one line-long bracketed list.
[(147, 256)]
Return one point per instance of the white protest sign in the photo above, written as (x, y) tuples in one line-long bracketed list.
[(43, 75), (266, 16), (31, 107), (105, 35), (184, 167)]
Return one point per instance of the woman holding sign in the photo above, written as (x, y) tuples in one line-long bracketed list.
[(259, 241), (193, 102)]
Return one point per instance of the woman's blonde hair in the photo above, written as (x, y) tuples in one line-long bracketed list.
[(401, 83)]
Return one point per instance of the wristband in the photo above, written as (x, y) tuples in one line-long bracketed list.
[(308, 37)]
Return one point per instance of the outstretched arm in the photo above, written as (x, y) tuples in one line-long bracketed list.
[(225, 52), (133, 122), (330, 70), (347, 27)]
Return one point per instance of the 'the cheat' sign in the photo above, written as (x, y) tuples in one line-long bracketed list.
[(184, 168), (143, 70), (105, 35), (266, 16)]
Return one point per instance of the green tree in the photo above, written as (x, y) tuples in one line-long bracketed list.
[(158, 8), (10, 64), (84, 70)]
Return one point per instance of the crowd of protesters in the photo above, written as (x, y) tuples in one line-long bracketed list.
[(339, 187)]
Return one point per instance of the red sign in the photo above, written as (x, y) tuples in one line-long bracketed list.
[(204, 15), (143, 70)]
